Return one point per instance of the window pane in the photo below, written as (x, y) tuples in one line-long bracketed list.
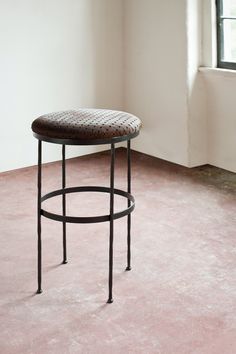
[(229, 7), (229, 29)]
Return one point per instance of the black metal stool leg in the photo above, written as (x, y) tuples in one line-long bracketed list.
[(39, 217), (110, 299), (129, 203), (64, 203)]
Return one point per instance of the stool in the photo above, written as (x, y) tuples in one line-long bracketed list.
[(86, 127)]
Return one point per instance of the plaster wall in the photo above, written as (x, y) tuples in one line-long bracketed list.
[(55, 55), (155, 82)]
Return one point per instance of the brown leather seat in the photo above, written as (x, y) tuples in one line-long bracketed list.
[(86, 124)]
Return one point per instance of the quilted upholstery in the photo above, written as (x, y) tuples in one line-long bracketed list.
[(86, 124)]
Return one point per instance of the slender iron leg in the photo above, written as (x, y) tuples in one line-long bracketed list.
[(129, 203), (110, 300), (39, 217), (64, 202)]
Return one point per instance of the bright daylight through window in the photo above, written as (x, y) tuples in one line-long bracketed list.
[(226, 33)]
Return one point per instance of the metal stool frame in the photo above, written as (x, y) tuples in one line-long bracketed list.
[(96, 219)]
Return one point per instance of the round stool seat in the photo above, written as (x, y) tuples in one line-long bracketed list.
[(86, 125)]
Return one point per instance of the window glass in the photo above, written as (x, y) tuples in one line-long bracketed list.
[(229, 40), (229, 8), (226, 33)]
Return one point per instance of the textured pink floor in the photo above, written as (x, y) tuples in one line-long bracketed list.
[(180, 297)]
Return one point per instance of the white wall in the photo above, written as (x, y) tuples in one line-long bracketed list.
[(162, 85), (220, 88), (196, 95), (136, 55), (188, 117), (156, 76), (55, 55), (221, 113)]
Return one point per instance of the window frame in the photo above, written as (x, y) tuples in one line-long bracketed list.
[(220, 37)]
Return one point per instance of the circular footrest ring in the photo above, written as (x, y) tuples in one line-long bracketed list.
[(87, 219)]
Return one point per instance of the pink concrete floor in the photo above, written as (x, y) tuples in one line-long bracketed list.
[(179, 298)]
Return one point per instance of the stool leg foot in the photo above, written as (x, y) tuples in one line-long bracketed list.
[(64, 243), (64, 203), (110, 281), (39, 217), (128, 268)]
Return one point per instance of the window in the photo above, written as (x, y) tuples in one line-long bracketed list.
[(226, 33)]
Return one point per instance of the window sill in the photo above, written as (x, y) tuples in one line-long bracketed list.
[(217, 71)]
